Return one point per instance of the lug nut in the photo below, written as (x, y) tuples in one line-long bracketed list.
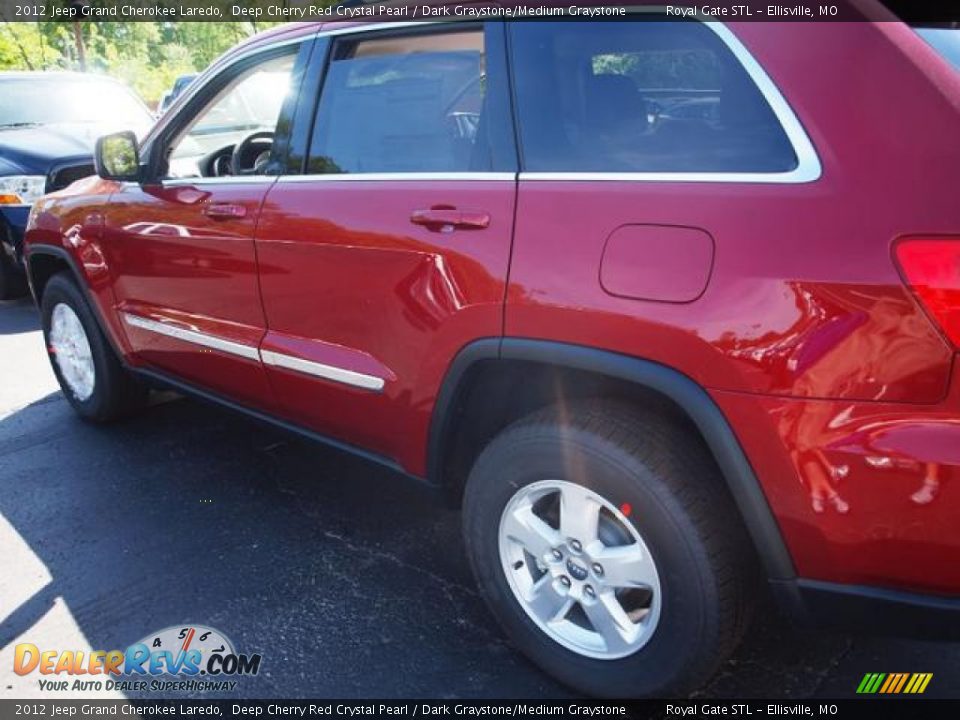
[(557, 555), (565, 581), (598, 569), (575, 544), (589, 592)]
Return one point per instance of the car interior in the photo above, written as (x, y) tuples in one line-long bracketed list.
[(233, 134), (403, 104), (666, 97)]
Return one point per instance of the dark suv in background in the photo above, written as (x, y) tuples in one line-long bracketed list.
[(48, 125)]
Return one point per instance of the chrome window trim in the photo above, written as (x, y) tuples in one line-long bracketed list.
[(791, 177), (808, 169), (327, 372), (220, 180), (249, 352), (192, 336), (373, 27), (409, 177), (213, 71)]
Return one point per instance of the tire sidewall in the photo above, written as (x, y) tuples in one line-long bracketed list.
[(62, 290), (663, 665)]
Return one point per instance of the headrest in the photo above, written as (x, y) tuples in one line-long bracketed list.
[(612, 101)]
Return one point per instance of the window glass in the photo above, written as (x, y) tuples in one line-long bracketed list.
[(251, 103), (70, 98), (403, 104), (945, 41), (640, 96)]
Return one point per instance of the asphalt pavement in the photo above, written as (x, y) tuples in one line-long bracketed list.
[(350, 582)]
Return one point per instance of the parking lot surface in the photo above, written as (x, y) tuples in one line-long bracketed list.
[(348, 580)]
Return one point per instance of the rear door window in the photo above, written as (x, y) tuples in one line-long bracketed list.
[(403, 104), (640, 96)]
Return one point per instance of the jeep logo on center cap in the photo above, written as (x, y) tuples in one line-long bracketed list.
[(576, 570)]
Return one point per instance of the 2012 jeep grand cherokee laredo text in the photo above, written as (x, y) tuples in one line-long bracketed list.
[(670, 305)]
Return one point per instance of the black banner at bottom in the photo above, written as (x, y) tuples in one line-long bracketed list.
[(915, 709)]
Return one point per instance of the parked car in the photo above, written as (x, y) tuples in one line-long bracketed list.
[(49, 123), (179, 85), (657, 358)]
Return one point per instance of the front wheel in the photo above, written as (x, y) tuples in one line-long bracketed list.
[(89, 373), (604, 542)]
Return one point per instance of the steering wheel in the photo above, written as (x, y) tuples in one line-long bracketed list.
[(241, 149)]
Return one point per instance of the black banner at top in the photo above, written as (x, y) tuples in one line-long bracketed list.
[(914, 11), (409, 709)]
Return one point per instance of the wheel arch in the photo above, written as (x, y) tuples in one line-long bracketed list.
[(525, 374), (45, 261), (42, 264)]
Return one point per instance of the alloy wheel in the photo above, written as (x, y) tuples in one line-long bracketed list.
[(580, 569), (71, 351)]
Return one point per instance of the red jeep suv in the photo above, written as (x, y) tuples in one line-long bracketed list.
[(669, 304)]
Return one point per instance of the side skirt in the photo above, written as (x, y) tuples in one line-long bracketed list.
[(870, 610), (162, 381)]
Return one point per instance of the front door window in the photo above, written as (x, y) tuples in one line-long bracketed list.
[(247, 109)]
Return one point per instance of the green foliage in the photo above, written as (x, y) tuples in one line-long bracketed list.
[(148, 56), (25, 46), (691, 69)]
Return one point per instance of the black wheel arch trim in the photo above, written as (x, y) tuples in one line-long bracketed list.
[(682, 390), (61, 254)]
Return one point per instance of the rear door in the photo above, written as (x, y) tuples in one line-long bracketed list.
[(386, 250)]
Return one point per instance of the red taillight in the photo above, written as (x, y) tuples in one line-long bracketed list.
[(931, 266)]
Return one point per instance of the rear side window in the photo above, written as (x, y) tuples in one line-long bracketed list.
[(403, 104), (640, 96)]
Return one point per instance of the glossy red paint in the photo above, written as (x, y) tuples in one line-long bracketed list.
[(71, 220), (842, 392), (174, 264), (806, 335), (680, 276), (387, 297), (865, 493)]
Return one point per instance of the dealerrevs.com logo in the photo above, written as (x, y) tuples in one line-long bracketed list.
[(201, 657)]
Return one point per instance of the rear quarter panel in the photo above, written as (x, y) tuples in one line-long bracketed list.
[(804, 301)]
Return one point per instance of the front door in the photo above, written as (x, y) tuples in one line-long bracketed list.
[(181, 247), (390, 251)]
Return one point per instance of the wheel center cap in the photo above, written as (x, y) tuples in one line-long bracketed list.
[(576, 570)]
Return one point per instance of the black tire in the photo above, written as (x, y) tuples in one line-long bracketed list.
[(682, 512), (116, 392), (13, 284)]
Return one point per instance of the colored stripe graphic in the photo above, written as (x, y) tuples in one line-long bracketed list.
[(891, 678), (894, 683), (903, 681)]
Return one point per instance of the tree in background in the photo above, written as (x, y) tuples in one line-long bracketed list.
[(148, 56)]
